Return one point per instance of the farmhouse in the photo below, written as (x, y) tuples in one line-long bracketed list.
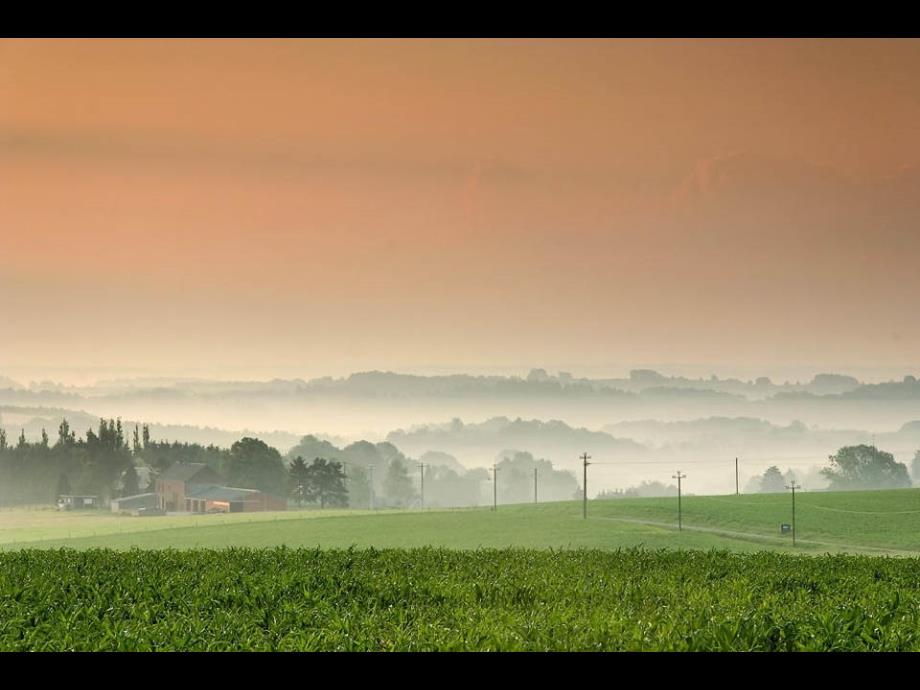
[(173, 485), (196, 488)]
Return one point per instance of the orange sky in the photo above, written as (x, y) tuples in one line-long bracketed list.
[(322, 206)]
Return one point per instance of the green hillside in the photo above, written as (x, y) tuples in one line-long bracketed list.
[(859, 522)]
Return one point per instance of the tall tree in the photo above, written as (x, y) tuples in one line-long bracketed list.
[(252, 464), (358, 483), (772, 481), (66, 437), (398, 486), (299, 480), (865, 467), (326, 482)]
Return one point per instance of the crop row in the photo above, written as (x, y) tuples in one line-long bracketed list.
[(438, 599)]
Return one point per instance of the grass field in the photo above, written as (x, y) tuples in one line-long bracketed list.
[(625, 578), (885, 522), (442, 599)]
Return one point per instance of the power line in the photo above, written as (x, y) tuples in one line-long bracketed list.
[(775, 461)]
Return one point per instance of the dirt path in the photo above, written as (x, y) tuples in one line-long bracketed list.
[(763, 537)]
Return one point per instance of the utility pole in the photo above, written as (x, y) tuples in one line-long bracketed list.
[(584, 503), (736, 477), (370, 469), (793, 486), (494, 487), (678, 477), (421, 468), (534, 484)]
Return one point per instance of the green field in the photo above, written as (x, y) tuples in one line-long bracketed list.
[(442, 599), (528, 577), (884, 522)]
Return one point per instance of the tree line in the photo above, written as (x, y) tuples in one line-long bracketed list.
[(110, 461), (852, 468)]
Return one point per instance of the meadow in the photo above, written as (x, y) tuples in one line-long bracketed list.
[(872, 522)]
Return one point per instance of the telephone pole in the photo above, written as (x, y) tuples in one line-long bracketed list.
[(494, 487), (793, 486), (421, 469), (370, 470), (736, 477), (678, 477), (584, 503), (534, 484)]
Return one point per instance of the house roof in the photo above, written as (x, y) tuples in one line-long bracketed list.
[(126, 498), (221, 493), (185, 472), (137, 498)]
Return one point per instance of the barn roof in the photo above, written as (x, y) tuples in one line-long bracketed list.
[(221, 493), (137, 499), (127, 498), (184, 472)]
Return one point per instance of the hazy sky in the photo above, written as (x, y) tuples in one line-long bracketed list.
[(323, 206)]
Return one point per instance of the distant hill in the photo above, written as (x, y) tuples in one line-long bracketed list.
[(479, 443)]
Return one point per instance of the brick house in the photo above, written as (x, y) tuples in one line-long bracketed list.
[(178, 479)]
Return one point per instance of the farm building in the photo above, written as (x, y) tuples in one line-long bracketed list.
[(72, 502), (178, 479), (196, 488), (133, 503), (229, 499)]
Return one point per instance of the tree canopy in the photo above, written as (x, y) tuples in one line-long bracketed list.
[(398, 485), (772, 481), (865, 467), (254, 464)]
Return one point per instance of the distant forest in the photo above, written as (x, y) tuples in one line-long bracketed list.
[(112, 461)]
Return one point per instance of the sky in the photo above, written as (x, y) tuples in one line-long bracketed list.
[(306, 207)]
